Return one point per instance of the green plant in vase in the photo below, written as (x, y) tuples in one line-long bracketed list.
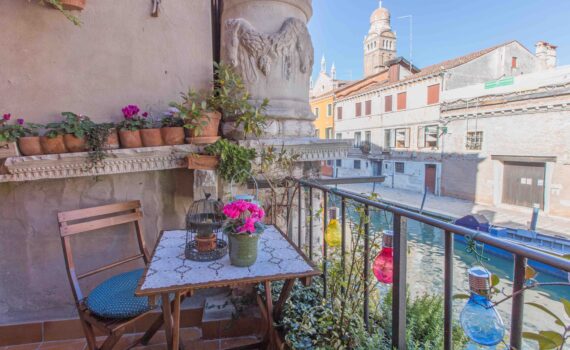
[(243, 227), (75, 128), (199, 116), (52, 141), (10, 133)]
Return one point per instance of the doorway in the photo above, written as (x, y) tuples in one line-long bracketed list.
[(429, 181), (523, 184)]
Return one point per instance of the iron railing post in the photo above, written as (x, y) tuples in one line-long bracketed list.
[(343, 234), (299, 188), (366, 265), (325, 222), (311, 222), (518, 302), (448, 292), (399, 287)]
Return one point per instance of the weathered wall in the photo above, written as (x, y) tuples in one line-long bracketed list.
[(120, 55)]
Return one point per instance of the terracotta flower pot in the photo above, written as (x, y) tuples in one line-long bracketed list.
[(210, 130), (151, 138), (201, 162), (73, 4), (206, 244), (112, 140), (74, 144), (173, 136), (30, 145), (54, 145), (130, 139), (8, 149)]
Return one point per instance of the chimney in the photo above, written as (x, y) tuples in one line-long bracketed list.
[(546, 53), (394, 72)]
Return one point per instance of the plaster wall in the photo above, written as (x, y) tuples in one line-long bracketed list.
[(120, 55)]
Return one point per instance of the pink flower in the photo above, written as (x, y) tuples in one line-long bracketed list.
[(231, 212), (130, 111), (7, 116), (20, 121), (145, 114), (248, 226)]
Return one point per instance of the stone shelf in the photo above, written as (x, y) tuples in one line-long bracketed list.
[(308, 149), (120, 161)]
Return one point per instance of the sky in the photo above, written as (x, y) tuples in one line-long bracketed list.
[(442, 29)]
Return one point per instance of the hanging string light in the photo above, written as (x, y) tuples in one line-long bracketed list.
[(383, 267), (479, 319)]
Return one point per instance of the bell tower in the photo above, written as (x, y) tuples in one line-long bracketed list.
[(379, 43)]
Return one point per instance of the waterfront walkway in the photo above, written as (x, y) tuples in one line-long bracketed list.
[(452, 208)]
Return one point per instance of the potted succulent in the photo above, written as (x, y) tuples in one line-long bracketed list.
[(150, 134), (199, 116), (76, 127), (243, 228), (172, 128), (8, 136), (129, 128), (52, 142)]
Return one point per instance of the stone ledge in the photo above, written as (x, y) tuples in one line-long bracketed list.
[(309, 149), (120, 161)]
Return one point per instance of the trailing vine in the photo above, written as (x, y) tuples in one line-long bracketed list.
[(235, 160), (96, 140)]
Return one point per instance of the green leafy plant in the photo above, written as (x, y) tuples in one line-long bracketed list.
[(232, 99), (235, 160), (551, 339), (76, 125), (193, 111), (57, 4), (10, 133), (172, 121), (96, 140), (53, 130)]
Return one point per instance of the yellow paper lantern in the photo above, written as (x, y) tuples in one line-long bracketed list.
[(333, 235)]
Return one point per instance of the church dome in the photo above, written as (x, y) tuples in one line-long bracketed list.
[(380, 14)]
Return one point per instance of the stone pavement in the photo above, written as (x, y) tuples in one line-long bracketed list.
[(453, 208)]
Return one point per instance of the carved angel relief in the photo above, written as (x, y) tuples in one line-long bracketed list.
[(251, 52)]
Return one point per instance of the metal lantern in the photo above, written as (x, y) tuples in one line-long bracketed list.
[(204, 238)]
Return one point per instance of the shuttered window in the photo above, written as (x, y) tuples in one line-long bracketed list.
[(358, 107), (339, 112), (401, 101), (388, 103), (368, 107), (433, 94)]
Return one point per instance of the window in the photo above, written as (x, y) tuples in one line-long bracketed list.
[(474, 140), (329, 162), (368, 107), (433, 94), (358, 108), (357, 164), (339, 136), (428, 136), (388, 140), (339, 112), (514, 62), (367, 136), (317, 134), (403, 138), (400, 167), (329, 110), (401, 101), (328, 133), (339, 162), (317, 112), (357, 139), (388, 103)]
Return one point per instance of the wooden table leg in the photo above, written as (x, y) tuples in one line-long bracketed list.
[(269, 308), (167, 314), (176, 345), (285, 292)]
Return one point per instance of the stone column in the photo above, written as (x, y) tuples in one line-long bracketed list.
[(269, 45)]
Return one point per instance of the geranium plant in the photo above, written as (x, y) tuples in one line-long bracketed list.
[(10, 133), (244, 218), (77, 125), (132, 120)]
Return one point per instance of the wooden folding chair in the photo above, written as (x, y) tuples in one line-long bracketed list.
[(91, 219)]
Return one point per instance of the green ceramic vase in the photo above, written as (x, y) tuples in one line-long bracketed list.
[(243, 249)]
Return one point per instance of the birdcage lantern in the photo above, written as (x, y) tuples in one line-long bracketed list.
[(205, 240)]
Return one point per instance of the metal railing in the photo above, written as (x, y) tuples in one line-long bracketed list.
[(520, 253)]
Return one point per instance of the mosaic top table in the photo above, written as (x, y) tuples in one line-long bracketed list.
[(170, 273)]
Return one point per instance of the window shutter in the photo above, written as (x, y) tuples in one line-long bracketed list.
[(339, 112), (401, 101), (393, 138), (359, 109), (407, 142), (421, 136), (433, 94), (368, 107), (388, 103)]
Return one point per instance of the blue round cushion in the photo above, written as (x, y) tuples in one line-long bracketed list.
[(115, 297)]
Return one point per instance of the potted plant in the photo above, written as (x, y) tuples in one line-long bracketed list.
[(76, 128), (29, 140), (52, 142), (172, 128), (150, 134), (8, 136), (99, 139), (202, 162), (129, 128), (235, 160), (243, 228), (199, 117)]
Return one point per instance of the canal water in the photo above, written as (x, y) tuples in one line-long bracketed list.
[(426, 275)]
